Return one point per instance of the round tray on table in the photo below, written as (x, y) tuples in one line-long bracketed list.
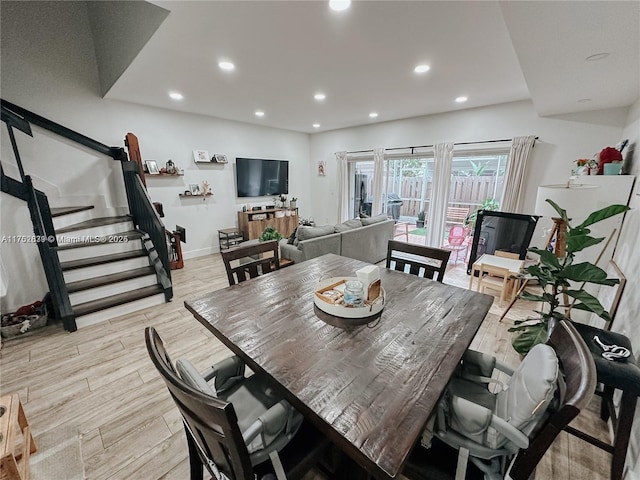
[(339, 315)]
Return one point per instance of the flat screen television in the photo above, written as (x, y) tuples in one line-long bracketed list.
[(257, 177), (509, 232)]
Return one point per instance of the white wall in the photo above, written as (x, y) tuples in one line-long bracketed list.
[(627, 319), (49, 67)]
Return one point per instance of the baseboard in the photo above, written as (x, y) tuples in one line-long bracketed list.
[(198, 253)]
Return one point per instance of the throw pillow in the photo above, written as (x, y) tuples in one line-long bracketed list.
[(306, 233), (292, 237), (348, 225), (372, 220)]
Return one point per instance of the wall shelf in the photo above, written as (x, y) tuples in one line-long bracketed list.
[(182, 195), (164, 175)]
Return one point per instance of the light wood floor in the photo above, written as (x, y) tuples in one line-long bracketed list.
[(101, 381)]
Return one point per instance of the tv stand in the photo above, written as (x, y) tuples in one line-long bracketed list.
[(253, 223)]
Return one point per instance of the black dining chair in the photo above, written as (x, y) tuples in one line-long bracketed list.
[(419, 260), (465, 423), (246, 448), (253, 260)]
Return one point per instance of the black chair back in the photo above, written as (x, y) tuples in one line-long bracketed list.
[(423, 261), (254, 260), (579, 372), (211, 425)]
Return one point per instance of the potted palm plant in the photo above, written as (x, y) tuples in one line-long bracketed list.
[(555, 275), (420, 221)]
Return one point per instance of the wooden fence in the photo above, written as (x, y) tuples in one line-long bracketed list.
[(464, 192)]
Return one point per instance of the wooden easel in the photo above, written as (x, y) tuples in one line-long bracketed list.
[(554, 232)]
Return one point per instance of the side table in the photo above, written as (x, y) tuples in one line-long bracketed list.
[(14, 428), (229, 237)]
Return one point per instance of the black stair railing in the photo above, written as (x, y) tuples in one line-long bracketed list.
[(140, 207)]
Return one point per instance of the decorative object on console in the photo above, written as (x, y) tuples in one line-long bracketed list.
[(292, 203), (608, 155)]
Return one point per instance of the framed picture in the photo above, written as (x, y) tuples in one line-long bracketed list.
[(322, 168), (201, 156), (194, 188), (152, 167)]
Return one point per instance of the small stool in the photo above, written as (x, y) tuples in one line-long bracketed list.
[(12, 466), (624, 376)]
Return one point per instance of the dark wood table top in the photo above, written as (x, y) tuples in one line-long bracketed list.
[(370, 388)]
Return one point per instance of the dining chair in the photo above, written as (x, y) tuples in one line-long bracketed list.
[(419, 260), (616, 375), (234, 431), (456, 241), (495, 278), (505, 434), (252, 259)]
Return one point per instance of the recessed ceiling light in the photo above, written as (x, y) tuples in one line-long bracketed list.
[(373, 115), (339, 5), (422, 68), (461, 99), (176, 95), (316, 125), (319, 96), (227, 66), (584, 100), (259, 113), (596, 56)]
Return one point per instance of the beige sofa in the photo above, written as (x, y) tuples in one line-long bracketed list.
[(363, 239)]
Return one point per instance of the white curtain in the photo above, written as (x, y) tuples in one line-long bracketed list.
[(343, 186), (443, 159), (378, 174), (514, 178)]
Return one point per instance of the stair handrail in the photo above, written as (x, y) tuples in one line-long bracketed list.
[(140, 205), (117, 153)]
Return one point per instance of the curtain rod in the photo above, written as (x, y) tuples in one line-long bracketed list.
[(430, 146)]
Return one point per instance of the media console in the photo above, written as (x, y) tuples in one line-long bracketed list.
[(253, 223)]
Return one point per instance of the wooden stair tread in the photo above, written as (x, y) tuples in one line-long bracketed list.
[(114, 257), (131, 235), (115, 300), (94, 222), (109, 279), (59, 211)]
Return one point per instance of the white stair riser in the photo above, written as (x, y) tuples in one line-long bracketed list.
[(99, 250), (71, 219), (124, 309), (78, 274), (83, 296), (91, 232)]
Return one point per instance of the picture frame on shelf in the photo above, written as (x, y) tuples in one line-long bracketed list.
[(219, 158), (152, 167), (200, 156), (194, 188)]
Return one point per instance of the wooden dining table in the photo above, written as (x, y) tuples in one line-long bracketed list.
[(370, 388)]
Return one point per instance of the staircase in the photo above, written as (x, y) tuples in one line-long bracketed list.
[(105, 265), (96, 268)]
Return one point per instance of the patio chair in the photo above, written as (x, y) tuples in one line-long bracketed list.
[(252, 261), (456, 242), (506, 434), (422, 261), (235, 430)]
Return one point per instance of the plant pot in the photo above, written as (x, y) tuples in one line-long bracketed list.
[(419, 223), (292, 204)]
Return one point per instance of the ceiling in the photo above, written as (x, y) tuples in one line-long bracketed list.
[(363, 59)]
